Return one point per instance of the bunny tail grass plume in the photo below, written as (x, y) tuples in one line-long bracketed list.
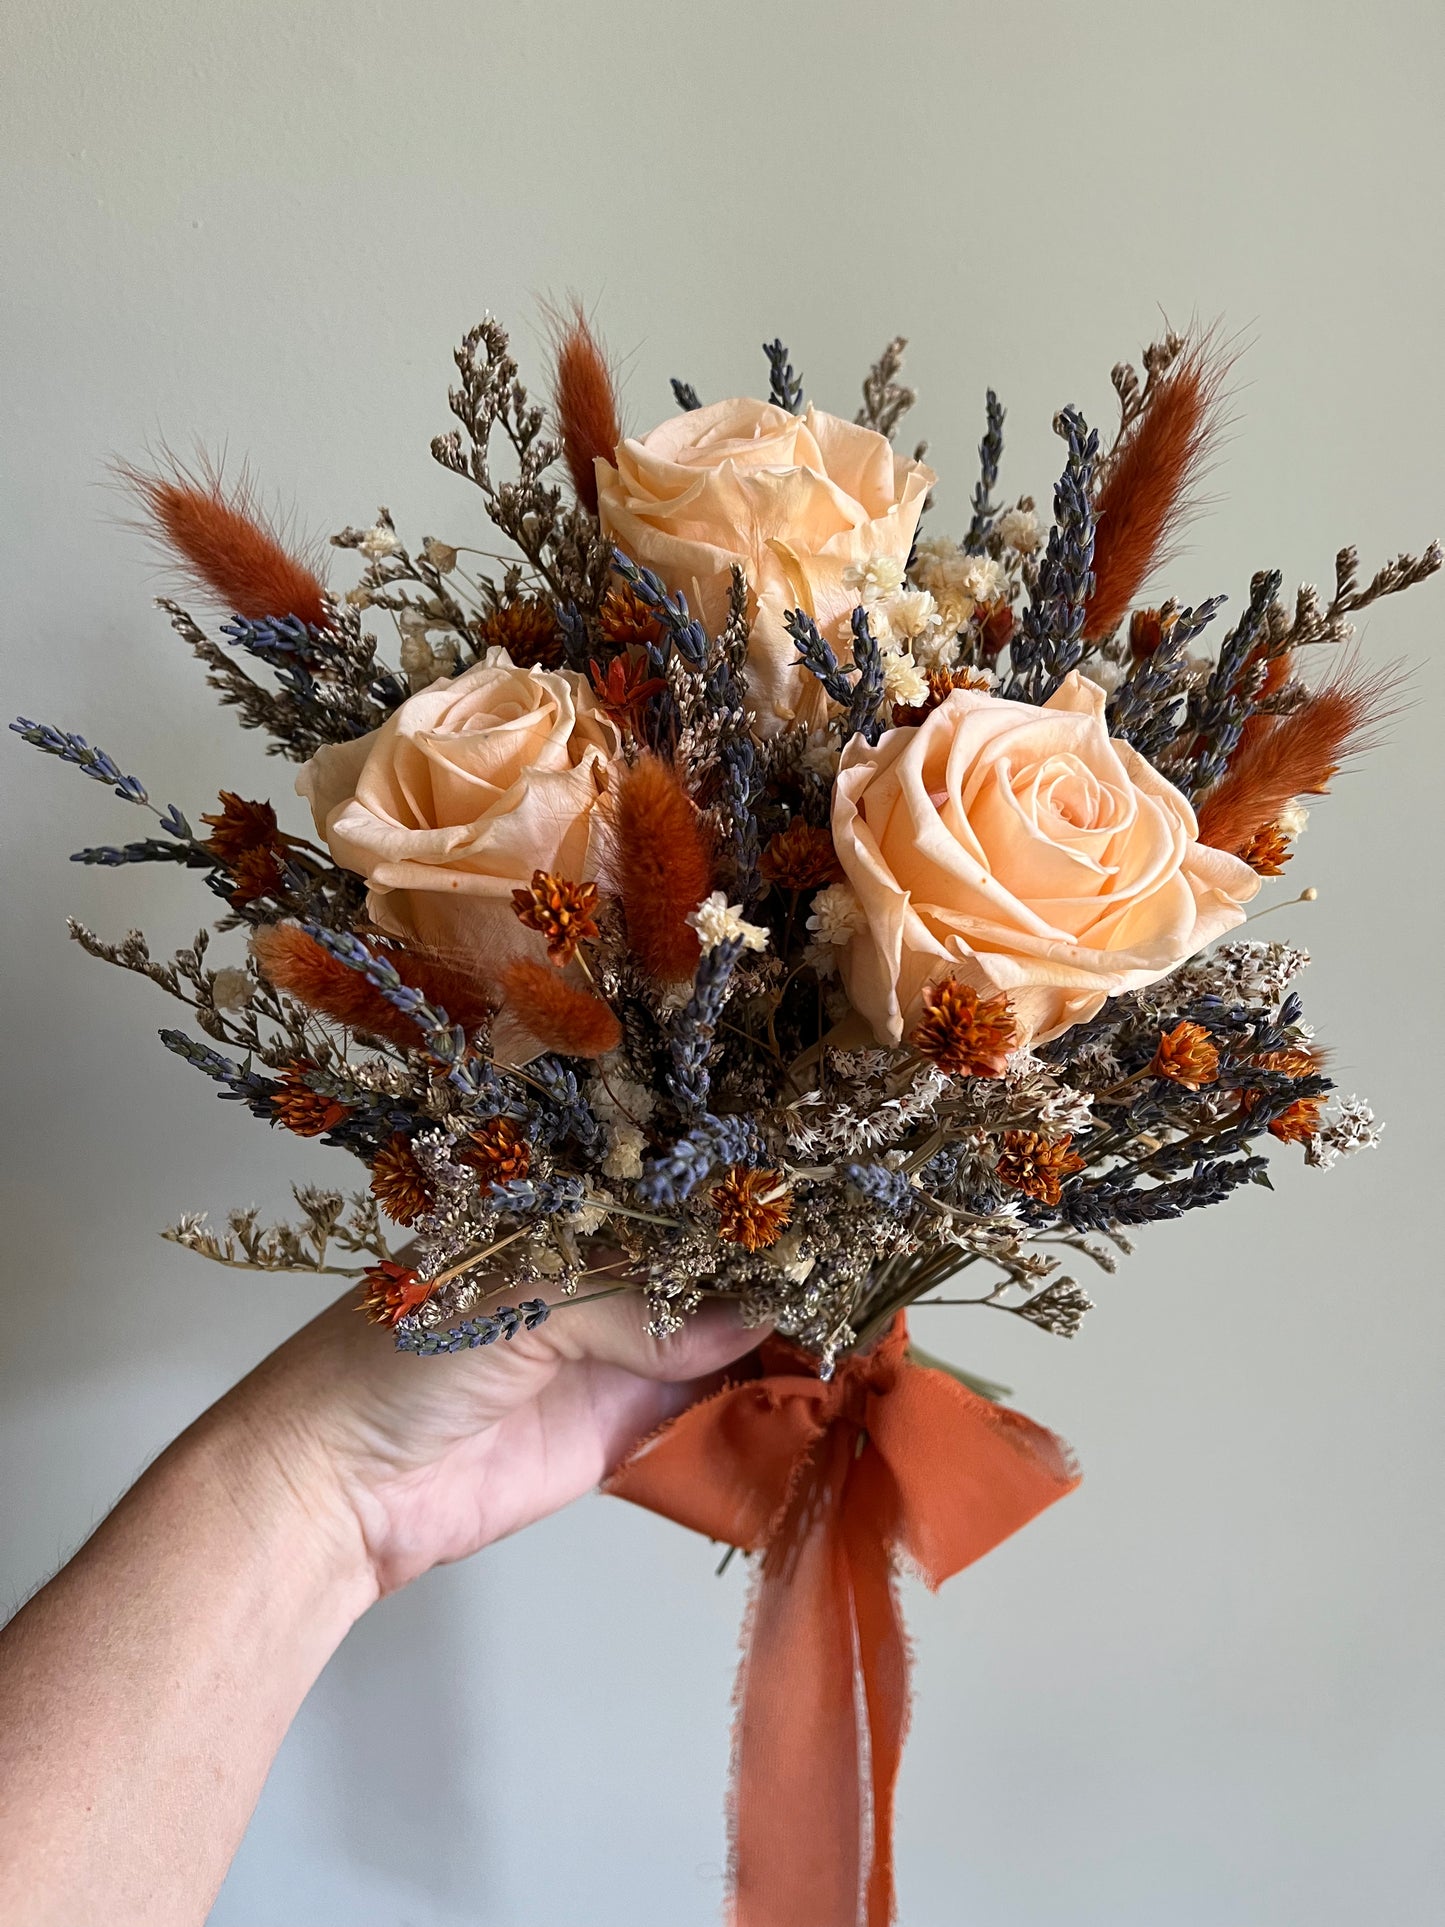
[(585, 400), (223, 544), (296, 963), (561, 1016), (663, 869), (1147, 484), (1297, 755)]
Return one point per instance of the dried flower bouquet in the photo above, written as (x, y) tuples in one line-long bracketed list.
[(740, 891)]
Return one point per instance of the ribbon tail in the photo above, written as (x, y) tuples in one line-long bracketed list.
[(883, 1664), (797, 1821)]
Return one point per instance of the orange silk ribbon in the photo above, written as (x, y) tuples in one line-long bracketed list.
[(833, 1483)]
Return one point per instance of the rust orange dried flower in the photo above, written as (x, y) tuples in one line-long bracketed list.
[(1267, 851), (941, 685), (527, 629), (1037, 1165), (397, 1183), (560, 911), (1289, 1063), (800, 857), (304, 1112), (1300, 1122), (624, 688), (626, 620), (498, 1151), (752, 1206), (390, 1291), (241, 827), (962, 1033), (1187, 1055)]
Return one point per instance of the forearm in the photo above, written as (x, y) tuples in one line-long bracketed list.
[(145, 1690)]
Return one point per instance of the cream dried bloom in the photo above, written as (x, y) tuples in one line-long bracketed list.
[(876, 579), (379, 541), (1019, 530), (232, 989), (837, 915), (718, 921), (903, 681)]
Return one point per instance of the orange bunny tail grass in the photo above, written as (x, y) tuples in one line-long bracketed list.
[(296, 963), (1297, 756), (224, 545), (1146, 487), (585, 401), (558, 1014), (664, 869)]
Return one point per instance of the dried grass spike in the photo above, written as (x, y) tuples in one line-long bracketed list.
[(1146, 487), (223, 543), (561, 1016), (295, 963), (663, 869), (585, 400), (1298, 756)]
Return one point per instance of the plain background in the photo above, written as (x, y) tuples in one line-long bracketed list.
[(1206, 1690)]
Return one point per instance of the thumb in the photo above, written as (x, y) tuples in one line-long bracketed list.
[(615, 1332)]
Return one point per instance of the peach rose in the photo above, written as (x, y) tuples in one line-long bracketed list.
[(1022, 850), (795, 500), (452, 804)]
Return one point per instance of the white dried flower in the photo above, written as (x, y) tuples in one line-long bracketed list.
[(232, 989), (441, 555), (1018, 529), (625, 1145), (379, 541), (424, 663), (984, 580), (911, 613), (613, 1094), (837, 915), (1352, 1127), (1293, 820), (718, 921), (1106, 674), (879, 576), (821, 756), (903, 681), (587, 1217)]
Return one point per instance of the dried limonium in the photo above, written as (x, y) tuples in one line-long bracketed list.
[(693, 910)]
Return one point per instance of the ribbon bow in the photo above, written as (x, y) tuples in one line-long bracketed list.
[(832, 1483)]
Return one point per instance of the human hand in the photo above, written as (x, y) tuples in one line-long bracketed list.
[(433, 1458)]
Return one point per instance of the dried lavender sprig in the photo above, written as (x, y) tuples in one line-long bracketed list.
[(862, 695), (866, 702), (671, 1179), (150, 849), (1215, 718), (103, 768), (786, 387), (1105, 1203), (446, 1041), (990, 454), (567, 1114), (817, 657), (689, 638), (1144, 709), (692, 1030), (1048, 643), (685, 395), (505, 1322), (879, 1185), (538, 1197), (247, 1086)]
